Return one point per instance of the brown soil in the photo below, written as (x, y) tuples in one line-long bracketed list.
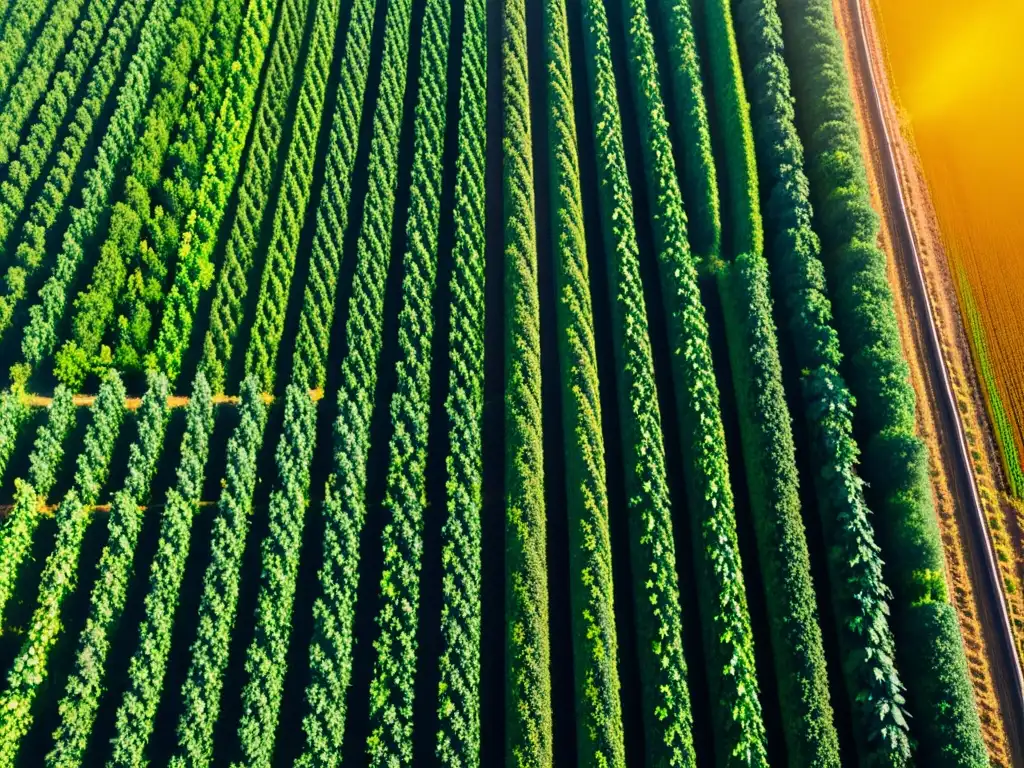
[(958, 361), (174, 401)]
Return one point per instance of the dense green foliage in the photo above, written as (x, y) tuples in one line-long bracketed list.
[(12, 416), (36, 153), (527, 650), (947, 728), (667, 717), (148, 665), (458, 711), (265, 659), (60, 573), (81, 700), (330, 653), (392, 685), (599, 733), (283, 75), (201, 693), (44, 462), (728, 641), (19, 31), (769, 453)]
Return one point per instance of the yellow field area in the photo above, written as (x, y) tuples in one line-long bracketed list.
[(958, 70)]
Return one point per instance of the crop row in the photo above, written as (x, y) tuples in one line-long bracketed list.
[(458, 710), (148, 665), (599, 733), (78, 707), (37, 151), (60, 573), (528, 734), (283, 76), (117, 142), (19, 32), (95, 304), (345, 498), (727, 633), (44, 462), (931, 650), (194, 270), (665, 696), (394, 671)]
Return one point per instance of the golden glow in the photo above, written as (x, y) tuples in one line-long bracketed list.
[(958, 69)]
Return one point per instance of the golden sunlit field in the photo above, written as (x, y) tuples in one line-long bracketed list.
[(957, 70)]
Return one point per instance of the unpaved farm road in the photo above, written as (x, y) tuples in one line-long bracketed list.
[(1006, 668)]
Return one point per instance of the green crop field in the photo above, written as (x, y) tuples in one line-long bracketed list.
[(460, 383)]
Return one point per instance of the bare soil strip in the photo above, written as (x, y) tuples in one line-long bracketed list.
[(995, 664)]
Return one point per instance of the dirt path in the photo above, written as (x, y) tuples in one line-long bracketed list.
[(173, 401), (936, 347)]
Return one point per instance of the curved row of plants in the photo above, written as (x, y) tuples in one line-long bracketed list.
[(599, 732), (59, 578), (148, 665), (458, 709), (945, 720), (80, 703), (528, 719), (665, 695), (330, 652), (728, 638), (392, 686), (265, 152)]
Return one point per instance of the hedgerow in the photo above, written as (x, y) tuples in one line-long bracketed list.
[(599, 732), (12, 416), (36, 152), (194, 270), (201, 692), (118, 140), (345, 498), (265, 659), (945, 721), (148, 665), (95, 304), (19, 32), (394, 671), (768, 448), (317, 317), (283, 75), (727, 634), (78, 707), (458, 710), (528, 721), (667, 716), (60, 573), (44, 461)]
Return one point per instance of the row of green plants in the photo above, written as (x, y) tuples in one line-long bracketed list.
[(317, 318), (726, 629), (19, 33), (34, 77), (394, 671), (173, 196), (280, 260), (265, 658), (60, 573), (665, 695), (765, 423), (330, 652), (94, 306), (12, 416), (193, 266), (45, 314), (458, 708), (932, 659), (262, 161), (599, 732), (43, 149), (80, 703), (204, 684), (528, 726), (44, 461), (148, 665)]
